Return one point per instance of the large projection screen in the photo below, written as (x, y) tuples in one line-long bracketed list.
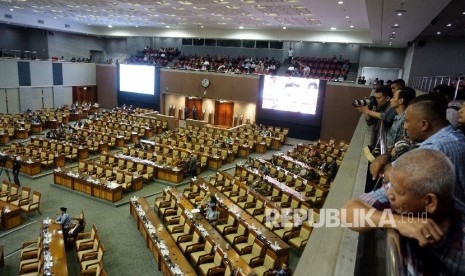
[(137, 79)]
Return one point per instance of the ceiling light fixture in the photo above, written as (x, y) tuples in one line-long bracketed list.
[(110, 26), (448, 25), (438, 33), (340, 2), (284, 27), (333, 28), (241, 27), (351, 26), (167, 26), (401, 11), (347, 17)]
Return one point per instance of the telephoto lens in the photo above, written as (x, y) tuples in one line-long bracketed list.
[(362, 102), (371, 101)]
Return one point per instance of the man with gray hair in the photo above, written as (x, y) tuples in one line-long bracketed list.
[(420, 201)]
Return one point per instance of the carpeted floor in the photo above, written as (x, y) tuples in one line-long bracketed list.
[(126, 253)]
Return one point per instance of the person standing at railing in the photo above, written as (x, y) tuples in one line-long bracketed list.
[(419, 203), (427, 126)]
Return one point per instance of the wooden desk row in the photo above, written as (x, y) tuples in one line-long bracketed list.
[(153, 239), (90, 185), (266, 236), (229, 251), (173, 174)]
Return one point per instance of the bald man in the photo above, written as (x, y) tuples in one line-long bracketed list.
[(420, 199)]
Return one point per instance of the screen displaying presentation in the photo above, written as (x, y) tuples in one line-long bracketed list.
[(137, 78), (290, 94)]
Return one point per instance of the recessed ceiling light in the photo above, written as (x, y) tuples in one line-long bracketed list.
[(137, 26), (340, 2), (438, 33), (11, 10), (241, 27), (463, 12), (347, 17), (396, 25), (167, 26), (399, 14), (333, 28), (284, 27), (448, 25), (393, 32), (351, 26), (110, 26)]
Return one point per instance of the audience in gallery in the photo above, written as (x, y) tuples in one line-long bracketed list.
[(453, 102), (238, 65), (158, 57), (461, 118), (421, 188), (381, 111), (399, 103), (427, 126)]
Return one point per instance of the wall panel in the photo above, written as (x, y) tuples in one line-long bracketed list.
[(3, 106), (9, 73), (47, 94), (67, 95), (13, 100), (106, 83), (78, 74), (58, 96), (339, 117), (222, 86), (41, 73), (37, 98)]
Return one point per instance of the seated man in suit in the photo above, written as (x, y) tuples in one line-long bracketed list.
[(419, 203)]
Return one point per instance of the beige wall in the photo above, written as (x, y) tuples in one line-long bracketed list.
[(222, 86), (106, 85), (339, 117)]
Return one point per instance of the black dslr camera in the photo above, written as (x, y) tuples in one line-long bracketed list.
[(370, 102)]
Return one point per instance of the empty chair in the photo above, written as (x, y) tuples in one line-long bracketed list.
[(210, 262), (92, 258), (266, 264), (254, 252), (23, 199), (12, 195), (233, 232), (32, 205), (299, 238), (86, 237), (242, 242), (188, 240)]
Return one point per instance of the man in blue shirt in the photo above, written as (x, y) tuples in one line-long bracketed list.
[(63, 219), (426, 124)]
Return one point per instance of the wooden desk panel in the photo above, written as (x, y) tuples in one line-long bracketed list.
[(36, 128), (21, 134), (12, 218), (175, 255), (57, 249)]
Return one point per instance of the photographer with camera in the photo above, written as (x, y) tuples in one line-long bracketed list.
[(16, 168), (377, 108)]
